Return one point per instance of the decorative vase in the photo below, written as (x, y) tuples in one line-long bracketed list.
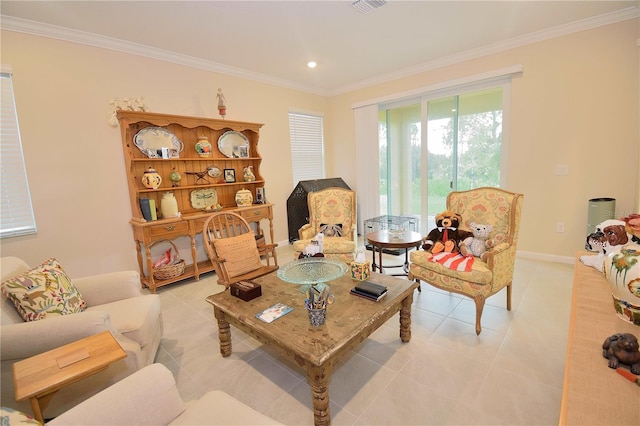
[(169, 205), (244, 198), (622, 270), (175, 177), (248, 174), (151, 179), (203, 146)]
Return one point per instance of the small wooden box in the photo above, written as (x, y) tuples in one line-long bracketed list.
[(246, 290)]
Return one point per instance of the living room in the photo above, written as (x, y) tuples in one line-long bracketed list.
[(576, 102)]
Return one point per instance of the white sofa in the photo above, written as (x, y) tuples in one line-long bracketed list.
[(115, 303), (150, 397)]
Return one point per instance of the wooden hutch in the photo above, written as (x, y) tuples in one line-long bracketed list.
[(202, 174)]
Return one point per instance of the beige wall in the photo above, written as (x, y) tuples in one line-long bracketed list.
[(74, 158), (577, 103)]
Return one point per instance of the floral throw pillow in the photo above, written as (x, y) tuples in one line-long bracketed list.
[(331, 230), (44, 291)]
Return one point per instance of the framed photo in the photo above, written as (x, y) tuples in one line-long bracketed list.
[(260, 197), (243, 151), (229, 175)]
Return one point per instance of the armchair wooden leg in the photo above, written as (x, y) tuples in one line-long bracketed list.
[(411, 277), (479, 307), (509, 297)]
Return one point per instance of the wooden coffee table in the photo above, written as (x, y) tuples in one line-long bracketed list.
[(350, 320), (385, 240), (40, 377)]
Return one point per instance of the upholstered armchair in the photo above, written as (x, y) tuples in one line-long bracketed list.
[(490, 206), (114, 303), (332, 211)]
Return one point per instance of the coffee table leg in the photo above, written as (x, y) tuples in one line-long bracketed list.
[(405, 318), (319, 381), (224, 333)]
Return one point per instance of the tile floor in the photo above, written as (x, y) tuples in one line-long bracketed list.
[(511, 374)]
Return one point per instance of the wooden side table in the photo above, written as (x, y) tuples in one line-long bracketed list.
[(384, 239), (38, 378)]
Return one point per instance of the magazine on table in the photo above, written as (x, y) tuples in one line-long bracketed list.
[(274, 312)]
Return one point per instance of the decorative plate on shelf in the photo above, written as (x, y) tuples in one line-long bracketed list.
[(234, 144), (151, 140), (203, 198), (214, 172)]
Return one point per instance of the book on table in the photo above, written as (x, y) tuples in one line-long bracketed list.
[(369, 290)]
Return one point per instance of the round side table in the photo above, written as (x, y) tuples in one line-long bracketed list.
[(384, 239)]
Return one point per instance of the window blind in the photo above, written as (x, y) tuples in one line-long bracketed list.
[(16, 214), (307, 146)]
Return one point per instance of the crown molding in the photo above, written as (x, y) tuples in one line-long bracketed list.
[(11, 23), (535, 37)]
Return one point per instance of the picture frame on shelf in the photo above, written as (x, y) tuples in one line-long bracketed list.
[(243, 151), (229, 175), (260, 197)]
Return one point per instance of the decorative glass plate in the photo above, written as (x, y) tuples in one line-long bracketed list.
[(312, 270), (151, 140), (233, 144), (203, 198)]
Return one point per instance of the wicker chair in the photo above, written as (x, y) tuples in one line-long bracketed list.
[(333, 208), (232, 248), (492, 206)]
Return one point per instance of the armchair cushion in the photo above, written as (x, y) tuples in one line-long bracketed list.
[(240, 254), (43, 291), (479, 273)]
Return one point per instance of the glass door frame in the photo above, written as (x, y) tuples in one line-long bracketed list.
[(425, 223)]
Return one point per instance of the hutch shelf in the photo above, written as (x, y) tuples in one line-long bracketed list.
[(202, 180)]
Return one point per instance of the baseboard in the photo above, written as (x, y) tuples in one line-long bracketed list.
[(546, 257)]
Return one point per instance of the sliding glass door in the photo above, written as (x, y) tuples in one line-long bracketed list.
[(461, 149)]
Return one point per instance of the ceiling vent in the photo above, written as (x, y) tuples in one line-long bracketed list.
[(367, 6)]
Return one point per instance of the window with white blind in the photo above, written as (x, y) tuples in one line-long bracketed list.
[(307, 146), (16, 215)]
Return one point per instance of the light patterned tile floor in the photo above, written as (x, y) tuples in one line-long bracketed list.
[(511, 374)]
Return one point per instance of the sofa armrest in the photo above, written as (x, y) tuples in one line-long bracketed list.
[(109, 287), (306, 232), (26, 339), (146, 397)]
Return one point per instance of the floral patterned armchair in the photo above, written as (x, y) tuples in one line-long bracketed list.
[(491, 206), (332, 211)]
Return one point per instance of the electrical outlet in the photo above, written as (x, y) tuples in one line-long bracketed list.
[(562, 170), (559, 226)]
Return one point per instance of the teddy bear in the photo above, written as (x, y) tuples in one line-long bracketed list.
[(447, 234), (477, 244)]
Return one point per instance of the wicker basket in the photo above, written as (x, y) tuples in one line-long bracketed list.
[(169, 271)]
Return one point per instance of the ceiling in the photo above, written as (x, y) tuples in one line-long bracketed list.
[(272, 41)]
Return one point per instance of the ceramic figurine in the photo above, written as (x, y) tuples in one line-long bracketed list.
[(222, 104), (248, 174)]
